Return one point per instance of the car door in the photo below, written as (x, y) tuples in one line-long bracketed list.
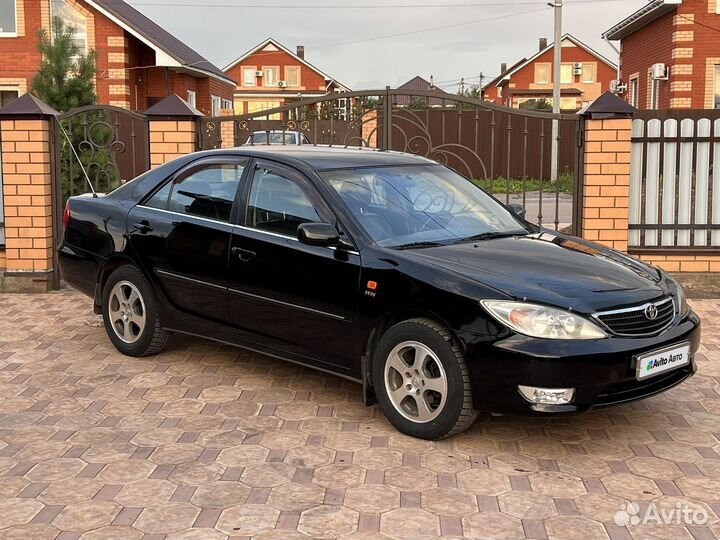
[(301, 299), (181, 233)]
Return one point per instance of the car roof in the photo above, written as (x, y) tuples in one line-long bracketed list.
[(323, 158)]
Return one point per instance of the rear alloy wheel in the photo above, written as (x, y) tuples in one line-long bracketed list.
[(130, 314), (421, 380)]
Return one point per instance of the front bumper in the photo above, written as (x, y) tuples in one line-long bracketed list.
[(601, 371)]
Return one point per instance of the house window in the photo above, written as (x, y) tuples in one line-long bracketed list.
[(216, 105), (74, 19), (568, 104), (292, 76), (654, 94), (248, 75), (588, 73), (566, 74), (634, 91), (8, 18), (7, 96), (271, 76), (717, 84), (192, 98), (542, 73), (227, 104)]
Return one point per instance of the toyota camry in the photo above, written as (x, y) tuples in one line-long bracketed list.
[(384, 268)]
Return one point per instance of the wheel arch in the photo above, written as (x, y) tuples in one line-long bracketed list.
[(111, 264), (382, 325)]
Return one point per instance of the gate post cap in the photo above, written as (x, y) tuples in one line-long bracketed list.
[(608, 106), (173, 107), (27, 106)]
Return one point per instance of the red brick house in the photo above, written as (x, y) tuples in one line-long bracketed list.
[(271, 75), (585, 76), (139, 63), (670, 54)]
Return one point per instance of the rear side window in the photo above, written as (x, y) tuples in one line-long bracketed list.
[(208, 192)]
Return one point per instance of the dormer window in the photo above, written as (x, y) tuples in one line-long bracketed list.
[(8, 18)]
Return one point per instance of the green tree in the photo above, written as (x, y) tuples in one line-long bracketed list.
[(66, 78), (473, 92)]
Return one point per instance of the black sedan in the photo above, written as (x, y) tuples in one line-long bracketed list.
[(383, 268)]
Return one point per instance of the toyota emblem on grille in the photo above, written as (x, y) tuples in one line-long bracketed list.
[(651, 312)]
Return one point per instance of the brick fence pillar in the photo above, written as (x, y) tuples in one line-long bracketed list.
[(606, 192), (173, 130), (26, 127)]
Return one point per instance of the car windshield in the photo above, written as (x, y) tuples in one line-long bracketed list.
[(274, 138), (415, 206)]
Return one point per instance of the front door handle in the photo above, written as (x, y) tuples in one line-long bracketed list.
[(243, 254), (143, 226)]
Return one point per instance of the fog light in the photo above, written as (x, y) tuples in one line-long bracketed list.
[(547, 396)]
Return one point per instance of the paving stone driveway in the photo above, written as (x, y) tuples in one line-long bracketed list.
[(207, 442)]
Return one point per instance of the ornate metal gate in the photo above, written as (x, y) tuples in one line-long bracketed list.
[(505, 151), (110, 144)]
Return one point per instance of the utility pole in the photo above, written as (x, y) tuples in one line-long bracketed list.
[(557, 63)]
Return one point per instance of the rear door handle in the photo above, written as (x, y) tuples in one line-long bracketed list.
[(243, 254), (143, 226)]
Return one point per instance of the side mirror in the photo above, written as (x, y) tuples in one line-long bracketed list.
[(318, 234), (517, 209)]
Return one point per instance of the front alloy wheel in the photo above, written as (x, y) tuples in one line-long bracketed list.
[(421, 380), (416, 382)]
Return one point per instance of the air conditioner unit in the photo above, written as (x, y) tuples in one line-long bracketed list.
[(282, 84), (660, 72), (258, 73), (577, 68), (617, 87)]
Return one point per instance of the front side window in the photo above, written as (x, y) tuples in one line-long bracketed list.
[(279, 204), (717, 84), (402, 206), (271, 76), (566, 74), (208, 192), (8, 18), (74, 19), (216, 105), (191, 98)]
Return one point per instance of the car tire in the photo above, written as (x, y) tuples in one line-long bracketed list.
[(130, 314), (421, 380)]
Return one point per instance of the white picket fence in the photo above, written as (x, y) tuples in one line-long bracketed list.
[(675, 182)]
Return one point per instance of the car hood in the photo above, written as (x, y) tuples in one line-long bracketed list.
[(550, 268)]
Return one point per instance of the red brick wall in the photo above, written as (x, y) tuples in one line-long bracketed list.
[(117, 54), (649, 45), (19, 57), (524, 79), (681, 40)]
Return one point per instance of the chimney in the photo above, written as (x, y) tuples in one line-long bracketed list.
[(301, 51), (503, 68), (543, 44)]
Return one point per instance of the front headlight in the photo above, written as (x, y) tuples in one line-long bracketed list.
[(542, 321), (680, 297)]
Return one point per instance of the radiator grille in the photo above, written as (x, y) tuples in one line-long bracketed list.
[(639, 321)]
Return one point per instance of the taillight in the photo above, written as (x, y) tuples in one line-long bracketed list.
[(66, 215)]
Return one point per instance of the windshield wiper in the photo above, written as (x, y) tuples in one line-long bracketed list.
[(491, 236), (418, 245)]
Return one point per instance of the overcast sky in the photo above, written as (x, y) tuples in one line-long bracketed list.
[(447, 40)]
